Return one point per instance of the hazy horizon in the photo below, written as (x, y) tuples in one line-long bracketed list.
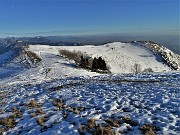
[(168, 40)]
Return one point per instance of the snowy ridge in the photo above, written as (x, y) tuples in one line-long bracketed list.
[(172, 59), (120, 57), (5, 57)]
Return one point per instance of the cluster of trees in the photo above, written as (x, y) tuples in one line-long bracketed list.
[(94, 64), (85, 61), (99, 64)]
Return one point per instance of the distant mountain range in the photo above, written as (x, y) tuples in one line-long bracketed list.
[(14, 42)]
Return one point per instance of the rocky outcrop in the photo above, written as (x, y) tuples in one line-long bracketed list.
[(169, 57)]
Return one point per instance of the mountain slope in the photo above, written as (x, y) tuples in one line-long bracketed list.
[(44, 93), (121, 57)]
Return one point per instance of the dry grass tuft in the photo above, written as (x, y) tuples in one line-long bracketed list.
[(3, 94), (74, 110), (65, 115), (148, 129), (38, 112), (113, 123), (63, 107), (41, 121), (81, 130), (91, 127), (59, 103), (91, 123), (103, 131), (129, 121), (8, 122), (17, 112), (33, 104)]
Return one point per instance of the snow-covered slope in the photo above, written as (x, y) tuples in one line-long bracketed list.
[(121, 57), (122, 103), (172, 59), (49, 94)]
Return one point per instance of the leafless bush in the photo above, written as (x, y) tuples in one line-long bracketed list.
[(148, 70), (33, 56), (136, 68), (76, 56)]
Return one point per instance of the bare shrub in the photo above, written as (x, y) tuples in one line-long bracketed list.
[(136, 68), (148, 70), (76, 56), (33, 56)]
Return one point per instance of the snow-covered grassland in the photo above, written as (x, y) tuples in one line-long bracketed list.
[(121, 57), (57, 97)]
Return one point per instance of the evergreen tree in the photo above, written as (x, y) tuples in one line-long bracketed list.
[(103, 65), (95, 64), (99, 64), (82, 62)]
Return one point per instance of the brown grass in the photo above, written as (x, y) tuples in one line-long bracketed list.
[(148, 129), (129, 121), (3, 94), (113, 123), (33, 104), (91, 127), (38, 112), (103, 131), (65, 115), (33, 56), (8, 122), (76, 56), (59, 103), (41, 121), (17, 113), (107, 128), (91, 123)]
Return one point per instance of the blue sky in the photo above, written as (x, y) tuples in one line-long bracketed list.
[(69, 17)]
